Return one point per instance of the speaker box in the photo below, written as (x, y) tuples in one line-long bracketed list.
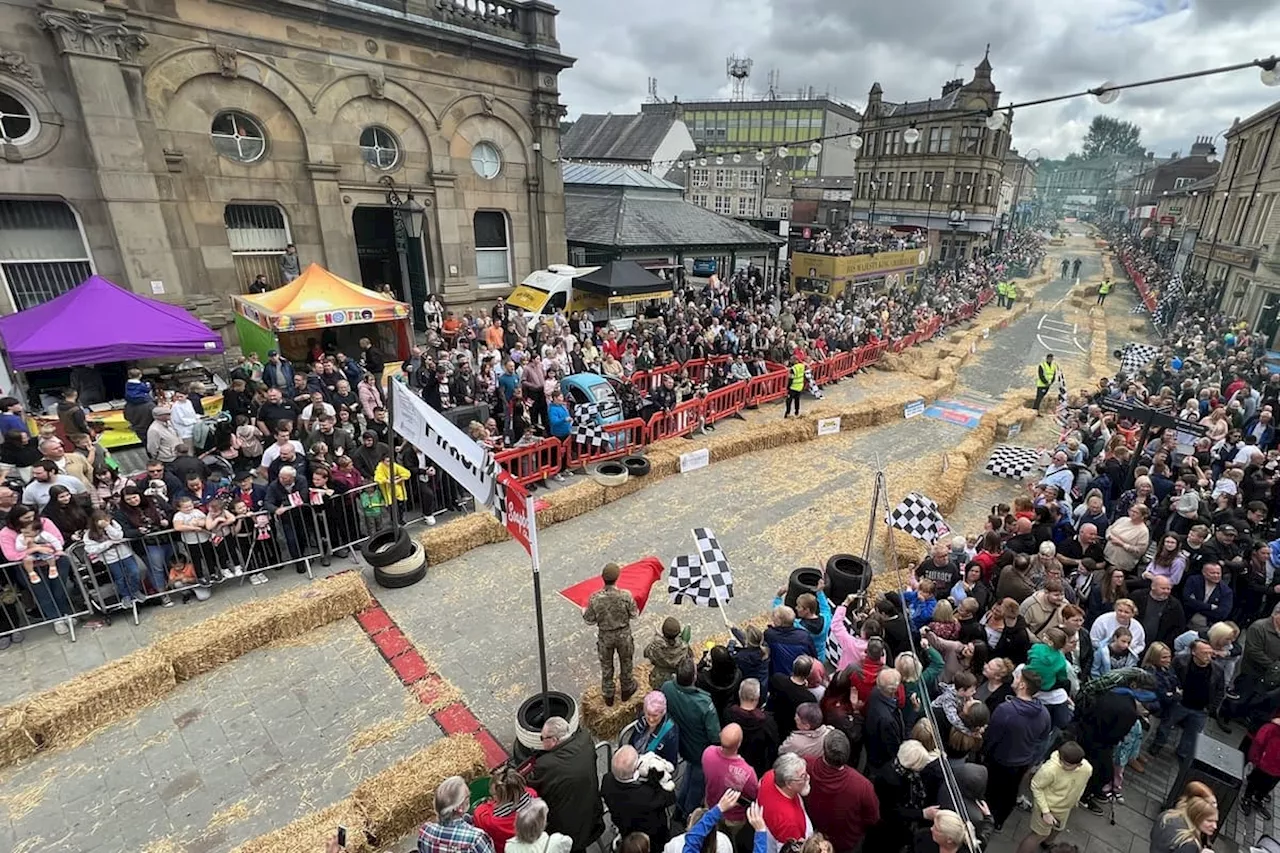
[(464, 415), (1217, 765)]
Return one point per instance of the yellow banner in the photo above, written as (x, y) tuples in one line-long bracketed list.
[(528, 298), (639, 297), (807, 265)]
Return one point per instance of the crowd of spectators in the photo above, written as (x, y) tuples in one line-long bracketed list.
[(859, 238)]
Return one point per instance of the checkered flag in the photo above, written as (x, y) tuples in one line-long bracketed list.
[(586, 429), (502, 480), (704, 578), (1012, 462), (920, 517), (1134, 357), (1061, 409)]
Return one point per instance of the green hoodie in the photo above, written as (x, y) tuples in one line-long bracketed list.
[(1048, 663)]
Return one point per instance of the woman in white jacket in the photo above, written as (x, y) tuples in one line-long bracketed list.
[(531, 832), (104, 540)]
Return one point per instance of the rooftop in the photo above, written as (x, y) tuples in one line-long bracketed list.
[(762, 103), (598, 216), (584, 174), (630, 138)]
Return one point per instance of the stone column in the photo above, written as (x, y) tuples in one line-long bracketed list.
[(100, 49), (547, 195)]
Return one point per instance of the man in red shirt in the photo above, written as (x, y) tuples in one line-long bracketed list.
[(842, 800), (781, 790)]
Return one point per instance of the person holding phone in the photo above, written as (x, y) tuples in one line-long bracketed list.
[(694, 838)]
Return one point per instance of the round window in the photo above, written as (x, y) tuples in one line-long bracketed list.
[(379, 148), (486, 160), (238, 137), (18, 122)]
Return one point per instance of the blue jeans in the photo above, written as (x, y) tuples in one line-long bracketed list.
[(1192, 723), (127, 577), (693, 788), (158, 565), (51, 595)]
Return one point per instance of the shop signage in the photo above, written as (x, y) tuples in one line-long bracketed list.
[(341, 317), (1167, 220), (1237, 257)]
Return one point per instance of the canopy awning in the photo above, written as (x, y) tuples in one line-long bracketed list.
[(318, 299), (622, 278), (99, 322)]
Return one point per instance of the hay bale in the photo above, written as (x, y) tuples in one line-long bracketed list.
[(445, 542), (319, 603), (398, 800), (219, 640), (606, 722), (106, 694), (858, 416), (309, 833), (15, 743), (662, 463), (724, 447), (630, 487), (571, 502)]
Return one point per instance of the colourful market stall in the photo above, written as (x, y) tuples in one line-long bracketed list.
[(321, 307), (99, 323)]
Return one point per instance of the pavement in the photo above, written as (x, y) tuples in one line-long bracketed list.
[(284, 731)]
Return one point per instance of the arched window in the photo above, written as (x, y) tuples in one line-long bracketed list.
[(42, 250), (18, 122), (258, 235)]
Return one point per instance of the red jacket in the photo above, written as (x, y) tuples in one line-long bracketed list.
[(864, 680), (1265, 751)]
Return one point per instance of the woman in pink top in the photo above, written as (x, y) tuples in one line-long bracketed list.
[(852, 647), (50, 594), (370, 396)]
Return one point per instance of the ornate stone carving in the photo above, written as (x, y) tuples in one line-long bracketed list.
[(549, 113), (91, 34), (16, 65), (228, 60), (486, 104), (377, 86)]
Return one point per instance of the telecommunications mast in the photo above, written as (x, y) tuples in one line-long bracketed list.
[(738, 69)]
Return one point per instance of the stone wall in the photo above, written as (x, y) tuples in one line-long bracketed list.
[(127, 97)]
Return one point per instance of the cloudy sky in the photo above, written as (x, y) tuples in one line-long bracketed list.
[(1039, 48)]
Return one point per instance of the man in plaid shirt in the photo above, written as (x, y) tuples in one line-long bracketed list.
[(453, 831)]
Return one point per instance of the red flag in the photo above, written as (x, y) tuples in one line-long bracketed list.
[(638, 577)]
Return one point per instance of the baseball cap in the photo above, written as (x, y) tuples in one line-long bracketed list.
[(1227, 528)]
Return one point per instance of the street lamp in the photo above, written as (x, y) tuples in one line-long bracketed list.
[(875, 191), (409, 215)]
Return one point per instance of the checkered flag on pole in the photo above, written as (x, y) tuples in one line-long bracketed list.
[(1061, 409), (920, 517), (1012, 462), (704, 578), (586, 429), (1134, 357)]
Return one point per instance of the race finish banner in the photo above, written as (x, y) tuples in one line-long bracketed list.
[(448, 447)]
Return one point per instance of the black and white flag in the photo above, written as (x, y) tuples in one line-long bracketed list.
[(1134, 357), (586, 429), (1012, 462), (704, 578), (920, 517)]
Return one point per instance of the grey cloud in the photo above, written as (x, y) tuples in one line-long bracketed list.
[(1039, 48)]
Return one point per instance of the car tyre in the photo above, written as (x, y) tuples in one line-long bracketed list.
[(386, 547), (530, 717), (610, 473), (637, 466)]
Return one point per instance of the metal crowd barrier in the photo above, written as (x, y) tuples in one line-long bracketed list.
[(25, 606)]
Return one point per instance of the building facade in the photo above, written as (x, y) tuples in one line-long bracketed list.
[(648, 141), (955, 164), (765, 126), (177, 146), (1238, 242)]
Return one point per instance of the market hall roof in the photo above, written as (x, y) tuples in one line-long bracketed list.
[(616, 137), (604, 209)]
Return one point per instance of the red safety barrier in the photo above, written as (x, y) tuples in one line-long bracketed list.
[(726, 402), (767, 388), (681, 420), (647, 380), (697, 370), (871, 353), (535, 462), (986, 296), (625, 437)]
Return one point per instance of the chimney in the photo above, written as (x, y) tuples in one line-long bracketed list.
[(1202, 148), (951, 85)]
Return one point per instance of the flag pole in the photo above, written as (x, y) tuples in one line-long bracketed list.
[(537, 603), (390, 392)]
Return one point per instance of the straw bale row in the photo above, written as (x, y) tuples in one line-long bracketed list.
[(606, 722), (72, 711), (444, 542), (385, 807)]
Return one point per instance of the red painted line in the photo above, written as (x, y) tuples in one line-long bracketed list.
[(428, 685)]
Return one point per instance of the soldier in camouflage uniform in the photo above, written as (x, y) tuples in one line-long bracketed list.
[(667, 651), (611, 611)]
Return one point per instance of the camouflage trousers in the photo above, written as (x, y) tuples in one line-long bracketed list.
[(620, 642)]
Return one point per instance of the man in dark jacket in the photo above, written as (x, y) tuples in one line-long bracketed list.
[(695, 717), (1207, 597), (1159, 612), (884, 729), (637, 803), (789, 692), (1203, 687), (939, 567), (896, 630), (841, 803), (564, 775), (786, 641), (1014, 741), (1106, 723), (759, 732)]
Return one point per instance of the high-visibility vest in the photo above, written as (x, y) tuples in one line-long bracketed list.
[(1045, 374), (797, 376), (1011, 291), (1106, 287)]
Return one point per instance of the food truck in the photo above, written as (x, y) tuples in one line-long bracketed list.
[(614, 294)]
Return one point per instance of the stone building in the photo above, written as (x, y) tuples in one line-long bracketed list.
[(177, 146), (920, 161)]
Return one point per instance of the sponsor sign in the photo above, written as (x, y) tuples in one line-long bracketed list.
[(829, 426), (913, 409), (448, 447), (342, 317), (695, 459)]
